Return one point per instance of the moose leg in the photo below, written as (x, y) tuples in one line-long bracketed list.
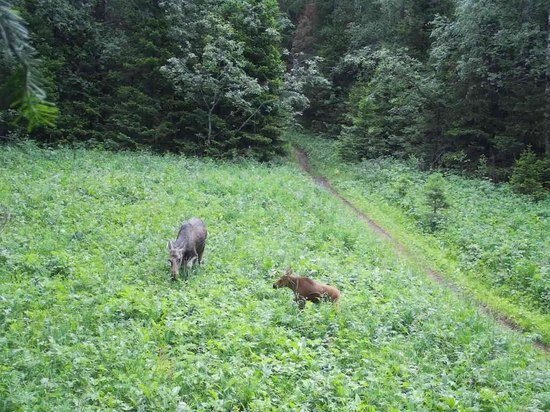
[(200, 251), (191, 261), (187, 267)]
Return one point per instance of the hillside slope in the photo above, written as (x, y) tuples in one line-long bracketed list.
[(91, 321), (490, 241)]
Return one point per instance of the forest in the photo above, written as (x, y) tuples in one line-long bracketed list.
[(458, 84)]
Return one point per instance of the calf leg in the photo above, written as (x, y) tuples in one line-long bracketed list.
[(301, 301)]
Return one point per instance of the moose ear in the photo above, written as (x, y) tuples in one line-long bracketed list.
[(170, 245)]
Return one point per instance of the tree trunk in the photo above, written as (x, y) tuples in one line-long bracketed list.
[(547, 92), (209, 136)]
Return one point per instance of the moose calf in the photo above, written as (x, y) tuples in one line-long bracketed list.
[(307, 289), (189, 246)]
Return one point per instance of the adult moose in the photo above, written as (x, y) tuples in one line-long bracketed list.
[(189, 245)]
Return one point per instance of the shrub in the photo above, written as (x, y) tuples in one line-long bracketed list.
[(530, 175)]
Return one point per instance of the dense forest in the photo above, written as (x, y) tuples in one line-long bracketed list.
[(458, 84)]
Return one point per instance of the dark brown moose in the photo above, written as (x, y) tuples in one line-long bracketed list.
[(189, 246), (307, 289)]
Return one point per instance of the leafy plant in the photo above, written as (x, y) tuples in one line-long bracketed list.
[(493, 239), (387, 116), (91, 320), (216, 77), (233, 88)]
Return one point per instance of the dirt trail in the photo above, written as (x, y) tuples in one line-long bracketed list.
[(502, 319)]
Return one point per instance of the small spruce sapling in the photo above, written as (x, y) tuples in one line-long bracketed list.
[(436, 200), (530, 174)]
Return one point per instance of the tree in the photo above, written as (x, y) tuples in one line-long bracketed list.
[(480, 70), (435, 199), (215, 76), (531, 176), (491, 57), (303, 75), (229, 70), (24, 88), (105, 59), (388, 116)]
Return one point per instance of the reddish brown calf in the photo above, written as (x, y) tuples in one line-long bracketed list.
[(307, 289)]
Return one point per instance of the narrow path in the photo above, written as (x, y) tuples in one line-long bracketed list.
[(322, 181)]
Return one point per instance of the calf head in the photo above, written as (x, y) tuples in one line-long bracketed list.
[(285, 280)]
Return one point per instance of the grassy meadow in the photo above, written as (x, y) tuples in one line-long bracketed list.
[(491, 241), (89, 319)]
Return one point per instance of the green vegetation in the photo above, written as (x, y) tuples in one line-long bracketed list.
[(456, 83), (531, 175), (435, 199), (90, 319), (490, 240), (23, 88), (120, 74)]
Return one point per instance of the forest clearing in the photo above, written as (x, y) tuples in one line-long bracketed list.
[(274, 205), (93, 321)]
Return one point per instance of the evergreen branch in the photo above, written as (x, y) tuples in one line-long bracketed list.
[(30, 96)]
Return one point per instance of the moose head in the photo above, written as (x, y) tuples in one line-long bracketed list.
[(178, 256)]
